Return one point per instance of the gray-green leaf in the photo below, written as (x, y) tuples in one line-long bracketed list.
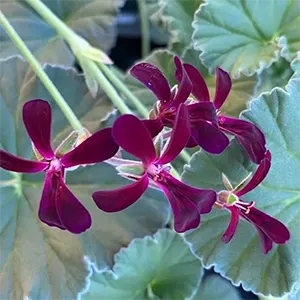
[(241, 260), (158, 267), (244, 37), (42, 262), (214, 287), (91, 19)]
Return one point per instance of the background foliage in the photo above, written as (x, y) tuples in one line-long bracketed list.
[(258, 43)]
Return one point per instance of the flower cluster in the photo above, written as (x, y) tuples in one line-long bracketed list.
[(191, 120)]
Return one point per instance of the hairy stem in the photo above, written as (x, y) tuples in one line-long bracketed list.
[(144, 20), (123, 89), (65, 108), (70, 37)]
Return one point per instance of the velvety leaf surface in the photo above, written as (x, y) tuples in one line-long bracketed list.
[(158, 267), (41, 262), (214, 287), (175, 17), (93, 20), (242, 260), (261, 31), (276, 75)]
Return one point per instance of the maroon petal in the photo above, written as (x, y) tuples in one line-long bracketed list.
[(202, 111), (47, 210), (191, 143), (265, 241), (155, 126), (98, 147), (223, 87), (60, 208), (133, 136), (73, 215), (187, 202), (185, 85), (234, 221), (199, 90), (259, 175), (154, 80), (186, 215), (270, 226), (17, 164), (37, 120), (119, 199), (209, 137), (250, 137), (180, 135)]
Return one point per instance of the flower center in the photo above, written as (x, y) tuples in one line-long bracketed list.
[(156, 173), (246, 207), (55, 165), (227, 198)]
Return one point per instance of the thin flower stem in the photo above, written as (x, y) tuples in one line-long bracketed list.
[(52, 19), (70, 36), (123, 89), (144, 20), (109, 89), (75, 123)]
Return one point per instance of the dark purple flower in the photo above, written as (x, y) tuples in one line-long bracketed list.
[(58, 206), (187, 202), (208, 126), (269, 229)]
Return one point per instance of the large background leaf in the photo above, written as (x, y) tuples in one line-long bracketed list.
[(42, 262), (92, 19), (214, 287), (177, 16), (242, 260), (158, 267), (246, 36)]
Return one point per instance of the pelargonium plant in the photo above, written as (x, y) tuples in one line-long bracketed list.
[(188, 161)]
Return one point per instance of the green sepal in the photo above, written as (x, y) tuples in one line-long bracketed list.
[(131, 169), (158, 144), (74, 139)]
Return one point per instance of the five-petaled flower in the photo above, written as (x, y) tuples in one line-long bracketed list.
[(59, 207), (269, 229), (187, 202), (208, 125)]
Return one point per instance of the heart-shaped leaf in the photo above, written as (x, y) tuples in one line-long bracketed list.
[(158, 267), (241, 260), (41, 262), (91, 19), (244, 37)]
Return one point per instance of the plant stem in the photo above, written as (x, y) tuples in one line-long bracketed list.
[(70, 36), (65, 108), (123, 89), (52, 19), (144, 20), (109, 89)]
